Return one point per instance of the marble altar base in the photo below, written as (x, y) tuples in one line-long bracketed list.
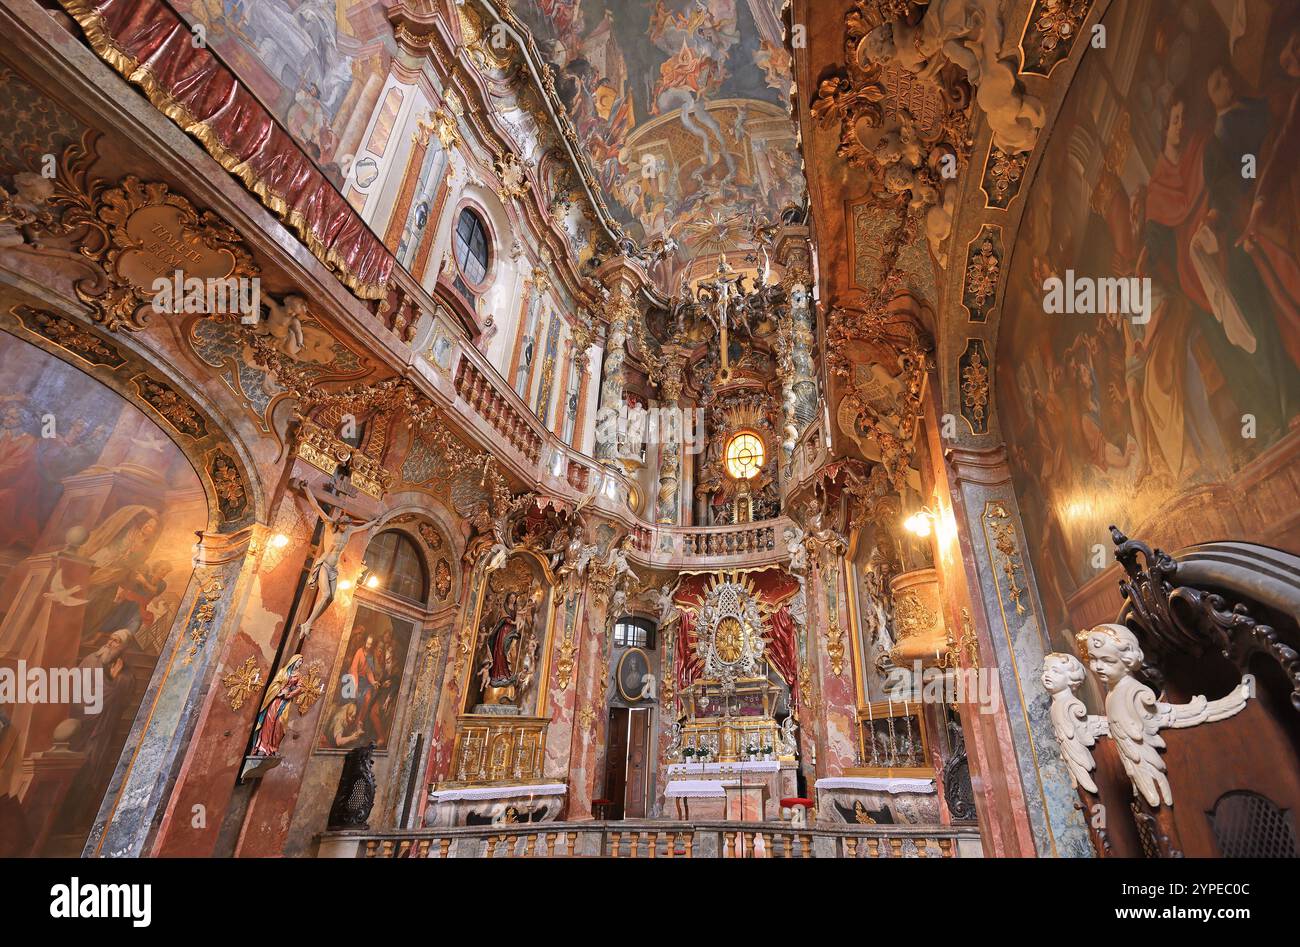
[(777, 780), (863, 799), (484, 805)]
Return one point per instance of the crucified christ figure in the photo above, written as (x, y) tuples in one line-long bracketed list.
[(337, 530)]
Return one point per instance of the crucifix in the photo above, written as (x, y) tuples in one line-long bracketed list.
[(724, 288), (337, 528)]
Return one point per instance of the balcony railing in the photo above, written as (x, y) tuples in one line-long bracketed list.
[(497, 416), (646, 839)]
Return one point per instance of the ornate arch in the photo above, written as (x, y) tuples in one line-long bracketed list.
[(225, 467)]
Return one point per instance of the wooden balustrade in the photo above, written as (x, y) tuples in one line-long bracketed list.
[(646, 839)]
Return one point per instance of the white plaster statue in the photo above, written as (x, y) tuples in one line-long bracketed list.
[(1136, 717), (664, 605), (970, 34), (789, 744), (794, 545), (1076, 730), (617, 559), (283, 324), (649, 687)]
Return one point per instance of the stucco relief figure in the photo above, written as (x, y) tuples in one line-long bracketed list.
[(1136, 717), (970, 34), (283, 324), (23, 212), (1076, 730), (338, 529)]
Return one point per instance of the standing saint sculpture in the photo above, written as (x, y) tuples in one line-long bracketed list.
[(337, 529), (272, 718)]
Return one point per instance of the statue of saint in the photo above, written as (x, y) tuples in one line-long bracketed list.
[(273, 717), (499, 672)]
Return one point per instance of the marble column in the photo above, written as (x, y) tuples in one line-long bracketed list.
[(836, 723), (799, 396), (590, 714), (611, 379), (1023, 792), (179, 734)]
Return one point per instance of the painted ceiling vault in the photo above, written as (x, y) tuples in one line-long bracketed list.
[(681, 107)]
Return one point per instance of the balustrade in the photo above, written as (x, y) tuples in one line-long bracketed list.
[(645, 839)]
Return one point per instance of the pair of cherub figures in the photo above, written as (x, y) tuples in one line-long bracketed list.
[(1134, 716)]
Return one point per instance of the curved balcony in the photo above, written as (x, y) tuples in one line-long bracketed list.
[(495, 418)]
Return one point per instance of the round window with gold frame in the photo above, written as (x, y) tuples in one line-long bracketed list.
[(745, 455)]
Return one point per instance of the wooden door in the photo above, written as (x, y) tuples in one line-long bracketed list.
[(616, 761), (638, 763)]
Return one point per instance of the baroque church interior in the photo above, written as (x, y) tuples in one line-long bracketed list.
[(649, 428)]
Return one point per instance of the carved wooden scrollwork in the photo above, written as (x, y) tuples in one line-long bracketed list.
[(1176, 619)]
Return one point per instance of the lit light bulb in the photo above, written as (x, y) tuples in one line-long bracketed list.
[(345, 584), (372, 582), (279, 540), (918, 523)]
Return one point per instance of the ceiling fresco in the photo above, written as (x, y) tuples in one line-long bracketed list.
[(681, 108), (317, 65)]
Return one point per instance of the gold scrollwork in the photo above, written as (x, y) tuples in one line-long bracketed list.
[(242, 683)]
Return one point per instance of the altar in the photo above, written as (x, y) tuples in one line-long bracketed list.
[(729, 757), (747, 791)]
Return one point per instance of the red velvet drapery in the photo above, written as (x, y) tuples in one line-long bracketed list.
[(782, 648), (153, 47)]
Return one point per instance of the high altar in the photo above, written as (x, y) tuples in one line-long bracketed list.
[(729, 757)]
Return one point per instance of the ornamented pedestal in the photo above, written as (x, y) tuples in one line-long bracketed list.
[(497, 775), (872, 800)]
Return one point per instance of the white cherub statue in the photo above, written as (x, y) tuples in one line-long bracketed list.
[(1076, 730), (1136, 717)]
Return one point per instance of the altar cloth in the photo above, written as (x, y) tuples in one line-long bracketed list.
[(888, 784), (498, 792), (695, 789), (745, 766)]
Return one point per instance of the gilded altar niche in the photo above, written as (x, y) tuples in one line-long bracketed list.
[(501, 731)]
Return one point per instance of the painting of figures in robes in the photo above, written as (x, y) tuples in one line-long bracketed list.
[(88, 479), (1172, 161), (364, 700)]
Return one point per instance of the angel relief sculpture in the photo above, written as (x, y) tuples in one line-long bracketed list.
[(1134, 715)]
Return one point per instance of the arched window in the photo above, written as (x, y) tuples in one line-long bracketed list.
[(394, 564), (634, 633), (472, 247)]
